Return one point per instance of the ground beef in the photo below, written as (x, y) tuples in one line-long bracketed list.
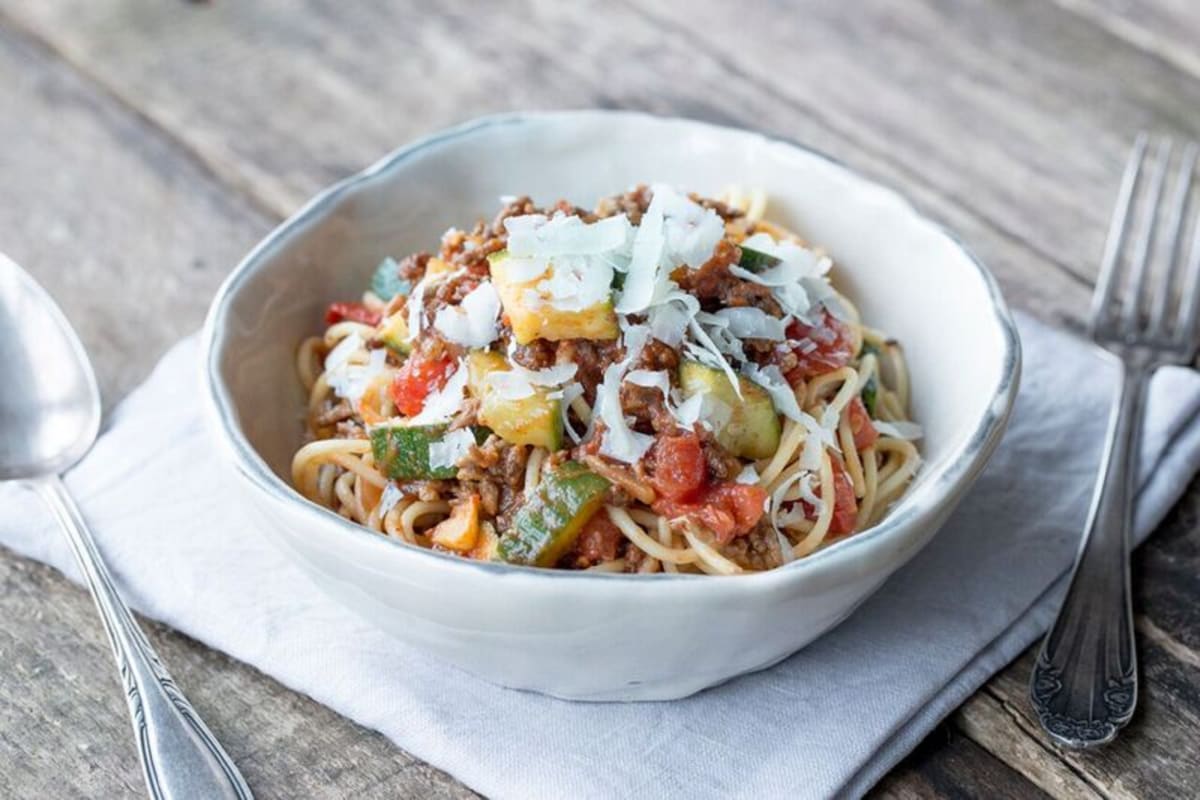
[(658, 355), (518, 207), (468, 414), (645, 404), (632, 204), (450, 291), (716, 287), (412, 268), (591, 357), (722, 465), (538, 354), (349, 429), (333, 414), (757, 550), (495, 471)]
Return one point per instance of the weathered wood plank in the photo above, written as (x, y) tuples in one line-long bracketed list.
[(947, 765), (349, 84), (131, 235), (985, 720), (1168, 29), (1155, 756), (962, 109)]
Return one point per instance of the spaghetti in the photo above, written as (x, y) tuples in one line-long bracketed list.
[(665, 383)]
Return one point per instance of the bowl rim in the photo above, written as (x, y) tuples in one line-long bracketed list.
[(961, 467)]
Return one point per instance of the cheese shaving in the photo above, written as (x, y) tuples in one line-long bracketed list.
[(444, 403), (535, 236), (620, 441), (451, 448), (899, 429), (472, 323), (752, 323), (350, 381), (569, 394), (390, 497)]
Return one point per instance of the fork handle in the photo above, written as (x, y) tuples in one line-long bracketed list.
[(1084, 683), (180, 757)]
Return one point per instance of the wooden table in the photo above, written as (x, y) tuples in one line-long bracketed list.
[(146, 145)]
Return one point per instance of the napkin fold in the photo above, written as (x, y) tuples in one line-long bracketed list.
[(830, 720)]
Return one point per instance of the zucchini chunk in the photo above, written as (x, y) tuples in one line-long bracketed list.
[(386, 282), (753, 428), (597, 321), (535, 420), (546, 526), (394, 332), (402, 451)]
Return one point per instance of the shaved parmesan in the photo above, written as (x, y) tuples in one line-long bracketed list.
[(651, 379), (472, 323), (748, 475), (620, 441), (569, 394), (782, 394), (644, 270), (391, 496), (704, 408), (899, 429), (350, 381), (536, 236), (752, 323), (691, 230), (509, 385), (451, 448), (444, 403), (341, 354), (416, 308), (706, 344)]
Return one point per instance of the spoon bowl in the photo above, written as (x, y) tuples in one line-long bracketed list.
[(49, 417), (49, 402)]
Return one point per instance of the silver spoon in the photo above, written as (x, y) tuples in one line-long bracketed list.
[(49, 417)]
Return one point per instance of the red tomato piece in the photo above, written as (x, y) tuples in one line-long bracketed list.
[(845, 504), (416, 379), (679, 468), (355, 312), (822, 348), (860, 425), (728, 510)]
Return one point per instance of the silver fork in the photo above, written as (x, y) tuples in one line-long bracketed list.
[(1084, 683)]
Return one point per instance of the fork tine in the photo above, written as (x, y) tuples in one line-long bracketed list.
[(1105, 283), (1179, 207), (1190, 304), (1145, 243)]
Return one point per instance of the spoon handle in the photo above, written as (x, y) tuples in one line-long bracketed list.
[(180, 757)]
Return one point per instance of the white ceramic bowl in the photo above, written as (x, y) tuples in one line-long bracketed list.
[(579, 635)]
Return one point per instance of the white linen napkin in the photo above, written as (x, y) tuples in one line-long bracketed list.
[(831, 720)]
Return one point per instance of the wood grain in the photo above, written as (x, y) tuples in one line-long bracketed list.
[(150, 143), (131, 235), (355, 81)]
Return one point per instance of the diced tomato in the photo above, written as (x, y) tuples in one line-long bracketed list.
[(599, 540), (355, 312), (416, 379), (728, 510), (845, 504), (679, 468), (860, 425), (822, 348)]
